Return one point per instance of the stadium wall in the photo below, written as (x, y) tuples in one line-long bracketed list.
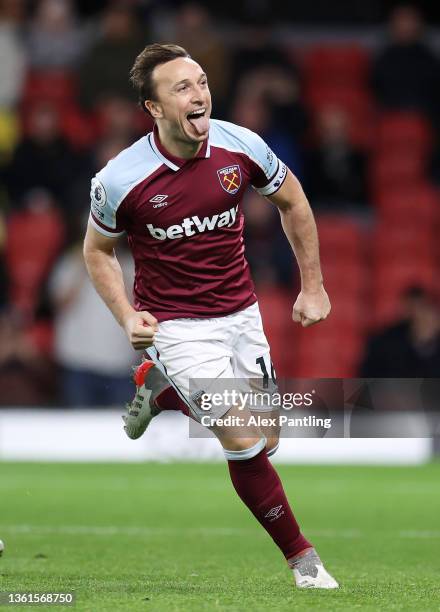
[(96, 435)]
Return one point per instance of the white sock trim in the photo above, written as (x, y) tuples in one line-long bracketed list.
[(273, 450), (246, 453)]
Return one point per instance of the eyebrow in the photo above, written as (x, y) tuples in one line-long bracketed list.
[(203, 75)]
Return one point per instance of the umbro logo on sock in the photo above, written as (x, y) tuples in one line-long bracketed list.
[(274, 513)]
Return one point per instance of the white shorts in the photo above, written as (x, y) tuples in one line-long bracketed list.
[(231, 347)]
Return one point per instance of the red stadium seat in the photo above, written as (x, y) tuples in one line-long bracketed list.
[(337, 64), (345, 276), (343, 256), (355, 103), (392, 278), (396, 169), (350, 99), (34, 238), (78, 128), (349, 311), (391, 240), (339, 235), (412, 205), (41, 335), (276, 309), (401, 131), (55, 86), (323, 354)]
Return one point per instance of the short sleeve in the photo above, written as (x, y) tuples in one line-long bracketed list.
[(268, 172), (104, 205)]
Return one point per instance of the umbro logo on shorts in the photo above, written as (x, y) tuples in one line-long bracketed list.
[(191, 226)]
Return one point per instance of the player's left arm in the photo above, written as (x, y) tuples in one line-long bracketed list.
[(312, 304)]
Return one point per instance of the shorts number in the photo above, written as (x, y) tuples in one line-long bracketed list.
[(261, 363)]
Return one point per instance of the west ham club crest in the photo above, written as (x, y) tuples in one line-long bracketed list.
[(230, 178)]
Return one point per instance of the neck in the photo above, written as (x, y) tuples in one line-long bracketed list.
[(178, 148)]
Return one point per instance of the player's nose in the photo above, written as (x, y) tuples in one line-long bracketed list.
[(198, 94)]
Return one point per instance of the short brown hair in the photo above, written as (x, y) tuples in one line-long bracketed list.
[(142, 70)]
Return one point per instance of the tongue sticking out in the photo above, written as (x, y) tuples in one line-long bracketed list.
[(200, 124)]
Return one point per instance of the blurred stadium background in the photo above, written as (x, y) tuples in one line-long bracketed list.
[(347, 94)]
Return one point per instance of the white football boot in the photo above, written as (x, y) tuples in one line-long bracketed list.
[(150, 382), (310, 573)]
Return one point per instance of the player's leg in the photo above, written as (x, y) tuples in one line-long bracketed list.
[(187, 353), (252, 363), (270, 428), (257, 483), (154, 393), (183, 348), (259, 486)]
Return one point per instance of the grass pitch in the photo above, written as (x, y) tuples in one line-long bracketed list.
[(175, 537)]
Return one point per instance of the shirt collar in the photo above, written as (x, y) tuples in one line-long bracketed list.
[(173, 162)]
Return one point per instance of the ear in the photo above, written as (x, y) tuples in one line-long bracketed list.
[(154, 108)]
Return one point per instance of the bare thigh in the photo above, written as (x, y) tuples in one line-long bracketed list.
[(241, 434), (269, 426)]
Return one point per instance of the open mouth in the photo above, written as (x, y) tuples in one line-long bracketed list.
[(199, 121)]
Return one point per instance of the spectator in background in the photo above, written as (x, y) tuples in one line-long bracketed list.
[(118, 119), (35, 236), (12, 53), (26, 368), (194, 31), (406, 73), (105, 149), (43, 158), (257, 111), (26, 372), (410, 348), (55, 38), (89, 346), (262, 70), (104, 69), (335, 170), (256, 50)]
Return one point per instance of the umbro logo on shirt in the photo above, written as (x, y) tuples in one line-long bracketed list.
[(160, 197), (193, 225), (158, 200)]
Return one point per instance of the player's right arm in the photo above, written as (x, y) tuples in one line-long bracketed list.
[(272, 179), (106, 275), (312, 304)]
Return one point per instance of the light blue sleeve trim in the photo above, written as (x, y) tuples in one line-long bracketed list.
[(113, 183), (238, 139), (276, 182), (102, 231)]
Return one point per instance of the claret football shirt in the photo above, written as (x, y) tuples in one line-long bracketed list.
[(183, 219)]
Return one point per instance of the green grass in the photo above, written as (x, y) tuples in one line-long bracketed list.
[(175, 537)]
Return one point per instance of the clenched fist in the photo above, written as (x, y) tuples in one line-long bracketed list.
[(140, 328), (310, 308)]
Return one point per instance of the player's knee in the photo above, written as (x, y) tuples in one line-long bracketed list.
[(272, 445), (239, 449)]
